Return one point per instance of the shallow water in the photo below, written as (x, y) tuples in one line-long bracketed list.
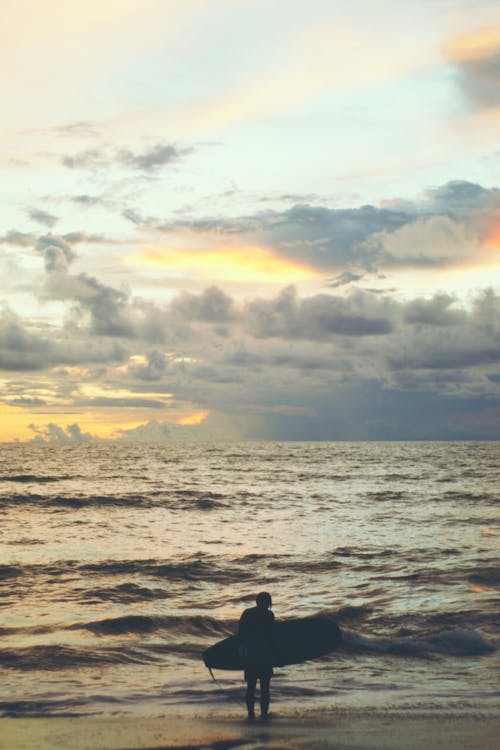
[(120, 564)]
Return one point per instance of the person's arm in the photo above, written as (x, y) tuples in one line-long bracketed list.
[(243, 624), (274, 640)]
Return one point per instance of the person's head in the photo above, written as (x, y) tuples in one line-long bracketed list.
[(263, 600)]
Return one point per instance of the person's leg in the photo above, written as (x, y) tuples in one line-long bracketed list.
[(265, 695), (250, 695)]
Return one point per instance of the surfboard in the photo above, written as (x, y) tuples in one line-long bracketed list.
[(297, 641)]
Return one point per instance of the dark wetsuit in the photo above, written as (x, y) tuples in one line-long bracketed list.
[(256, 630)]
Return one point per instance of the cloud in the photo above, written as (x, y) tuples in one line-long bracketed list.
[(447, 225), (476, 58), (461, 199), (151, 368), (427, 241), (86, 200), (288, 365), (450, 339), (108, 307), (53, 433), (92, 158), (319, 317), (152, 159), (437, 311), (152, 432), (81, 129), (123, 403), (76, 237), (19, 348), (27, 402), (42, 217), (18, 239), (158, 156), (133, 216), (24, 349), (211, 306), (347, 277), (57, 253)]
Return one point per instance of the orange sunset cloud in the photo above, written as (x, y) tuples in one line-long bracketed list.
[(227, 262), (493, 239), (475, 45)]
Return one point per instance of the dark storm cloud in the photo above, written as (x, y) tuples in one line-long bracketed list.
[(284, 343), (43, 217), (317, 317), (108, 307), (290, 366), (449, 339), (143, 403), (19, 348), (153, 369), (436, 311), (211, 306), (25, 349), (151, 432), (306, 359), (98, 309)]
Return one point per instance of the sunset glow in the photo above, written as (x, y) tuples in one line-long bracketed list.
[(474, 46), (492, 241), (194, 419), (231, 263), (226, 222)]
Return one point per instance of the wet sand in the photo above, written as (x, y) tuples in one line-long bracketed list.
[(335, 732)]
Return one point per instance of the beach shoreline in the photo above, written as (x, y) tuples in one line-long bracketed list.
[(338, 731)]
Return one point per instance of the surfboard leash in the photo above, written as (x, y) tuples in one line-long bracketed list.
[(223, 689)]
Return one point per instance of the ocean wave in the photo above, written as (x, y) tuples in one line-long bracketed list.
[(124, 593), (55, 657), (43, 708), (488, 576), (203, 569), (322, 565), (197, 568), (454, 642), (198, 625), (386, 495), (10, 571), (177, 500), (32, 478), (475, 498)]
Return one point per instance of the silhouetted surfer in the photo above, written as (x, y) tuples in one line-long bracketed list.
[(256, 630)]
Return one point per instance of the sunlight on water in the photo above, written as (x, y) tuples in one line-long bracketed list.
[(119, 565)]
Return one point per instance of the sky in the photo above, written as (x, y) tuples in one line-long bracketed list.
[(249, 219)]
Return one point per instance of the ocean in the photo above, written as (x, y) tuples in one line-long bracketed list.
[(120, 564)]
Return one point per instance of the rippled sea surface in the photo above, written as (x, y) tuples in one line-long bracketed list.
[(120, 564)]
